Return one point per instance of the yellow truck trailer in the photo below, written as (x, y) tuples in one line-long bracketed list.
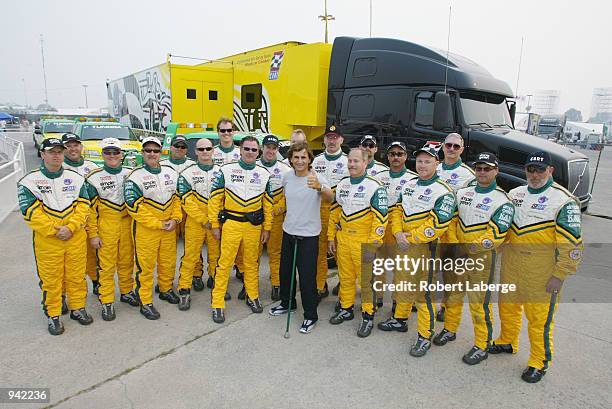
[(272, 89)]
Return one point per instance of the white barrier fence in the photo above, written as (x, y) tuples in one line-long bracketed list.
[(12, 168)]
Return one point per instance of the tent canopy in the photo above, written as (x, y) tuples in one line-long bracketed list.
[(4, 116)]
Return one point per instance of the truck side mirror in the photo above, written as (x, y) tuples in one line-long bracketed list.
[(442, 115), (512, 112)]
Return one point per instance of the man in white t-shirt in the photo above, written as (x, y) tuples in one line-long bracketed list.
[(303, 192)]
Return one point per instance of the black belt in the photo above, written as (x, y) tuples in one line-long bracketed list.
[(255, 218)]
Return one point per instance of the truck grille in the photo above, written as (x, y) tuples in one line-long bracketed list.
[(578, 183)]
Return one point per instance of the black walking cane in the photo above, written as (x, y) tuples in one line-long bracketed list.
[(291, 286)]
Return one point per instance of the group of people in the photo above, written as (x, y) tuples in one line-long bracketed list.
[(348, 205)]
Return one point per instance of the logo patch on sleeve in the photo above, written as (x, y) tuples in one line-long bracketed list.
[(429, 232)]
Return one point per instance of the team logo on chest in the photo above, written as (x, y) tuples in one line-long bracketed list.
[(485, 204), (540, 205), (425, 197), (256, 180)]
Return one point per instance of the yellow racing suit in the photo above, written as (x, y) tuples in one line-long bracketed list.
[(484, 217), (179, 166), (276, 169), (83, 167), (333, 168), (358, 217), (194, 187), (49, 200), (424, 211), (151, 199), (545, 241), (240, 190), (109, 220), (394, 183)]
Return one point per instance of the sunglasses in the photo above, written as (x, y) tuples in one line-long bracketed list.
[(485, 169), (454, 146), (151, 150), (226, 130), (180, 146), (396, 154), (207, 149), (111, 153), (247, 149), (535, 169), (370, 145)]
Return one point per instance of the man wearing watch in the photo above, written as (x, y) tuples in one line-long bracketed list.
[(152, 201)]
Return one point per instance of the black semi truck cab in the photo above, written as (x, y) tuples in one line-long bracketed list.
[(398, 90)]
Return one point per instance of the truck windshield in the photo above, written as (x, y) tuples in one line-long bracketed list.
[(485, 110), (59, 127), (95, 132), (547, 129)]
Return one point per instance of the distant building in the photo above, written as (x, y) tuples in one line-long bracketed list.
[(601, 104), (545, 102)]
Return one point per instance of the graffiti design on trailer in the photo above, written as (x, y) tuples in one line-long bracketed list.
[(155, 102)]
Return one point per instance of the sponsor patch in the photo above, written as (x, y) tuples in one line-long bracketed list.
[(380, 230), (429, 232), (575, 254), (487, 244)]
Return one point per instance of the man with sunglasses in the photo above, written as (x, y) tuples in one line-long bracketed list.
[(277, 169), (369, 144), (545, 246), (457, 175), (423, 213), (152, 201), (110, 229), (394, 179), (485, 214), (178, 159), (194, 186), (241, 199), (332, 165), (55, 204), (225, 152), (73, 160)]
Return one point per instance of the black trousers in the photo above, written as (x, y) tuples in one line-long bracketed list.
[(306, 268)]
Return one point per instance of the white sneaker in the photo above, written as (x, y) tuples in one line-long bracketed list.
[(307, 326)]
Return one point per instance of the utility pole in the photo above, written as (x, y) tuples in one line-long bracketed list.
[(42, 53), (326, 17), (25, 93), (518, 75), (85, 88), (370, 18)]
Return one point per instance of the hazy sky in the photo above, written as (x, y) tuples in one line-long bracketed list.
[(87, 42)]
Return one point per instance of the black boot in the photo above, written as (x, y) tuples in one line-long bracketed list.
[(95, 284), (239, 274), (440, 314), (65, 309), (149, 311), (254, 305), (533, 375), (81, 316), (55, 326), (275, 293), (184, 299), (130, 298), (209, 282), (108, 312), (242, 293), (169, 296), (218, 316), (197, 283), (367, 323)]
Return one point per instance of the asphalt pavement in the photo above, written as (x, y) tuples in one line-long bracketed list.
[(184, 360)]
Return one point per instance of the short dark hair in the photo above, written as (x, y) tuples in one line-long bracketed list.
[(224, 119), (249, 138), (297, 147)]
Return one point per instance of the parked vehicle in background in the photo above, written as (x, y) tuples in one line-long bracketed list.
[(91, 133), (388, 88), (551, 127), (50, 128), (527, 122)]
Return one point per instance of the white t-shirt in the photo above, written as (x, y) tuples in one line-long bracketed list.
[(303, 217)]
